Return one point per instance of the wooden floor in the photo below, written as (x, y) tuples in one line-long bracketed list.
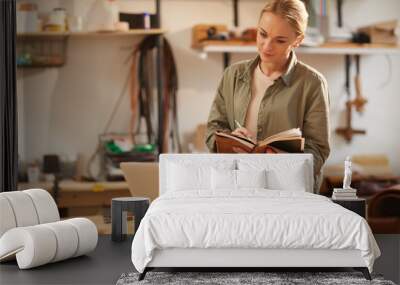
[(111, 259)]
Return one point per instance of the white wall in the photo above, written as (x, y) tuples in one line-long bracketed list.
[(65, 109)]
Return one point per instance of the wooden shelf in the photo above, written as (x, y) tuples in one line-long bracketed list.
[(138, 32), (37, 65), (57, 41), (351, 48), (326, 48)]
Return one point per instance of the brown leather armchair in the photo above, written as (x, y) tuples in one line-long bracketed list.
[(384, 212)]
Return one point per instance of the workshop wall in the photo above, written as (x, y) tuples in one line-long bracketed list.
[(63, 110)]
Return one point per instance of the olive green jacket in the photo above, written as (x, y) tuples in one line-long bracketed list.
[(297, 99)]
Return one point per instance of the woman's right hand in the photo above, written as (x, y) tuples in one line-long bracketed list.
[(243, 132)]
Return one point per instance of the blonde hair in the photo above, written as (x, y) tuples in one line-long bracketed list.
[(294, 11)]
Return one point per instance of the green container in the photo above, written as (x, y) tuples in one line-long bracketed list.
[(144, 147)]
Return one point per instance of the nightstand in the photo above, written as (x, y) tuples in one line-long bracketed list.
[(357, 205), (119, 208)]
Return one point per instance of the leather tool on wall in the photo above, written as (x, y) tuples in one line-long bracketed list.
[(359, 101), (142, 99), (348, 132)]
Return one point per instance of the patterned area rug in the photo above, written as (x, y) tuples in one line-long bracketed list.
[(230, 278)]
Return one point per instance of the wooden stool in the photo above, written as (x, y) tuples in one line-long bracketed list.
[(119, 208)]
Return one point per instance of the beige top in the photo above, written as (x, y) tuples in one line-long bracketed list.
[(259, 84)]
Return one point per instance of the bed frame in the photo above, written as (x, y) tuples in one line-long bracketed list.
[(246, 258), (242, 259)]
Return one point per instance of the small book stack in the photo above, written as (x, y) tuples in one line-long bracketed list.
[(340, 193)]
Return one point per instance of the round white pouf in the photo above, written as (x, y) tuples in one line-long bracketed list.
[(33, 246), (87, 234), (67, 239), (7, 218), (23, 208), (46, 208)]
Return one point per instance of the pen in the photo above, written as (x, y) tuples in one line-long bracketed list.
[(238, 125)]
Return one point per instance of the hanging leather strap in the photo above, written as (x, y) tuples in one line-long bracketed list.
[(142, 98)]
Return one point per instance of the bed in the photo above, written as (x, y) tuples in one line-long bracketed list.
[(247, 210)]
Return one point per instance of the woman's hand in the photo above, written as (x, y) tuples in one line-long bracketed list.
[(243, 132)]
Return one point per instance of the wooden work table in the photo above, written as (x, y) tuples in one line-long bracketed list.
[(83, 198)]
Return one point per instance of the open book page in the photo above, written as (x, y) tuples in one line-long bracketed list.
[(285, 135), (289, 145), (287, 141)]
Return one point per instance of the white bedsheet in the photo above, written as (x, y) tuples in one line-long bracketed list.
[(252, 218)]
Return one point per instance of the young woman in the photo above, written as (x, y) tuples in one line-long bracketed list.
[(275, 92)]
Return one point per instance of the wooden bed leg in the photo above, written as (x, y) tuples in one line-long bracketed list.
[(364, 271), (143, 274)]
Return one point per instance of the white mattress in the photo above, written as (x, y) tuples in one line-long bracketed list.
[(252, 218)]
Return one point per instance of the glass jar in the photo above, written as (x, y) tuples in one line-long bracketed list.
[(58, 20)]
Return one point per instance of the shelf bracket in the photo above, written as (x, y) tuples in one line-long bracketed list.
[(339, 13), (236, 13), (158, 13), (227, 59)]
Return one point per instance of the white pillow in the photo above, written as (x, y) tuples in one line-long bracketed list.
[(251, 178), (281, 174), (182, 177), (293, 180), (185, 175), (223, 179), (236, 179)]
